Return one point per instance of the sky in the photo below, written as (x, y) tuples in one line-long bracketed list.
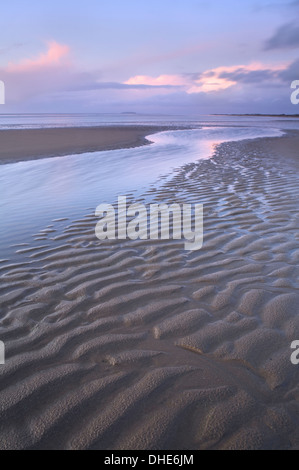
[(184, 57)]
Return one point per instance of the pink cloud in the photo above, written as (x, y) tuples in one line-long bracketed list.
[(211, 80), (54, 56), (162, 80), (208, 82)]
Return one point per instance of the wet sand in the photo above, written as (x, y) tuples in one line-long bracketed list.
[(29, 144), (143, 345)]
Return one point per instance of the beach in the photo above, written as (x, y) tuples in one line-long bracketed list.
[(28, 144), (122, 344), (149, 241)]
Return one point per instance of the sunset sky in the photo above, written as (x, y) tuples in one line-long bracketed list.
[(158, 56)]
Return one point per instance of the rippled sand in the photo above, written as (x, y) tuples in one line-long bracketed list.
[(143, 345)]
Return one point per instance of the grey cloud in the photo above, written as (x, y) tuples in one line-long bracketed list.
[(287, 36), (266, 76), (291, 73), (254, 76)]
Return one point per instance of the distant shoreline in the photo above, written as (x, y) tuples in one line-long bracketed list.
[(260, 115)]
